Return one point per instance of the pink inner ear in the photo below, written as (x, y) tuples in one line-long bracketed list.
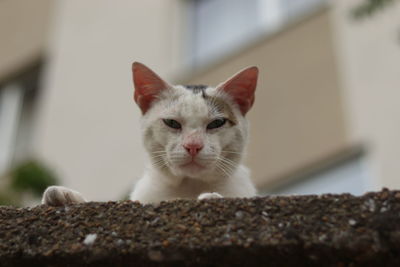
[(241, 88), (147, 85)]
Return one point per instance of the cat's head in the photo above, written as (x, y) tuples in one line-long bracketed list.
[(194, 131)]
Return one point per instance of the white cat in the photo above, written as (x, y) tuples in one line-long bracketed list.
[(195, 136)]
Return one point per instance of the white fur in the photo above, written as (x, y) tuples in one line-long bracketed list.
[(209, 195), (60, 195)]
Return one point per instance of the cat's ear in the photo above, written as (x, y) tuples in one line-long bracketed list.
[(241, 88), (147, 85)]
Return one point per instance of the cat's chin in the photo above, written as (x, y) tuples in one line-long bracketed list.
[(191, 169), (192, 166)]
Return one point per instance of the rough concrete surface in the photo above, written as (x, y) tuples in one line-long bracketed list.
[(326, 230)]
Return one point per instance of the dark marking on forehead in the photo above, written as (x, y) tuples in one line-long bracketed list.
[(222, 106), (196, 89)]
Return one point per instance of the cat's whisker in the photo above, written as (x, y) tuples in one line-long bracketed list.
[(223, 169), (159, 152), (228, 162), (227, 159), (159, 155), (219, 167), (158, 158), (160, 164), (229, 167), (231, 152)]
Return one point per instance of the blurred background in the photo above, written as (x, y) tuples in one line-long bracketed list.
[(326, 117)]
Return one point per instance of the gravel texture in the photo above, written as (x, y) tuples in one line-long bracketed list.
[(326, 230)]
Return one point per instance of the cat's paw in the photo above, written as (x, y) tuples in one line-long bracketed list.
[(61, 196), (209, 195)]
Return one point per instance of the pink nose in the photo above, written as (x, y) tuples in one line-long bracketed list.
[(193, 148)]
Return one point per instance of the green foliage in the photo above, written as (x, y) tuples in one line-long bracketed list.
[(370, 7), (32, 176)]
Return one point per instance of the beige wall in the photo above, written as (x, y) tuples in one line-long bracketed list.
[(23, 33), (88, 125), (297, 118), (369, 61)]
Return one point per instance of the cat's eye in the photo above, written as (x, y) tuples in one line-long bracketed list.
[(216, 123), (172, 124)]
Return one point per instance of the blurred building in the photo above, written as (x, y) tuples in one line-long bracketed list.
[(325, 118)]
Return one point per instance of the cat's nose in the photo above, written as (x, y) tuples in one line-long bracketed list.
[(193, 148)]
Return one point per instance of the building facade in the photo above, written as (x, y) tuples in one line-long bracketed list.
[(325, 113)]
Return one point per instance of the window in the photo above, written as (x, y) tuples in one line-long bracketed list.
[(218, 27), (17, 106), (10, 108)]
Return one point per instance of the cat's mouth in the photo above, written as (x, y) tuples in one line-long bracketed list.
[(192, 165)]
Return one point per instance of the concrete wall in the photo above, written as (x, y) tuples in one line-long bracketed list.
[(88, 125), (297, 118), (368, 53)]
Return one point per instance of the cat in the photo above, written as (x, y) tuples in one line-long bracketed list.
[(195, 136)]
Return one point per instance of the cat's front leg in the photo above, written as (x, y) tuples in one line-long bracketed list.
[(209, 195), (61, 196)]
